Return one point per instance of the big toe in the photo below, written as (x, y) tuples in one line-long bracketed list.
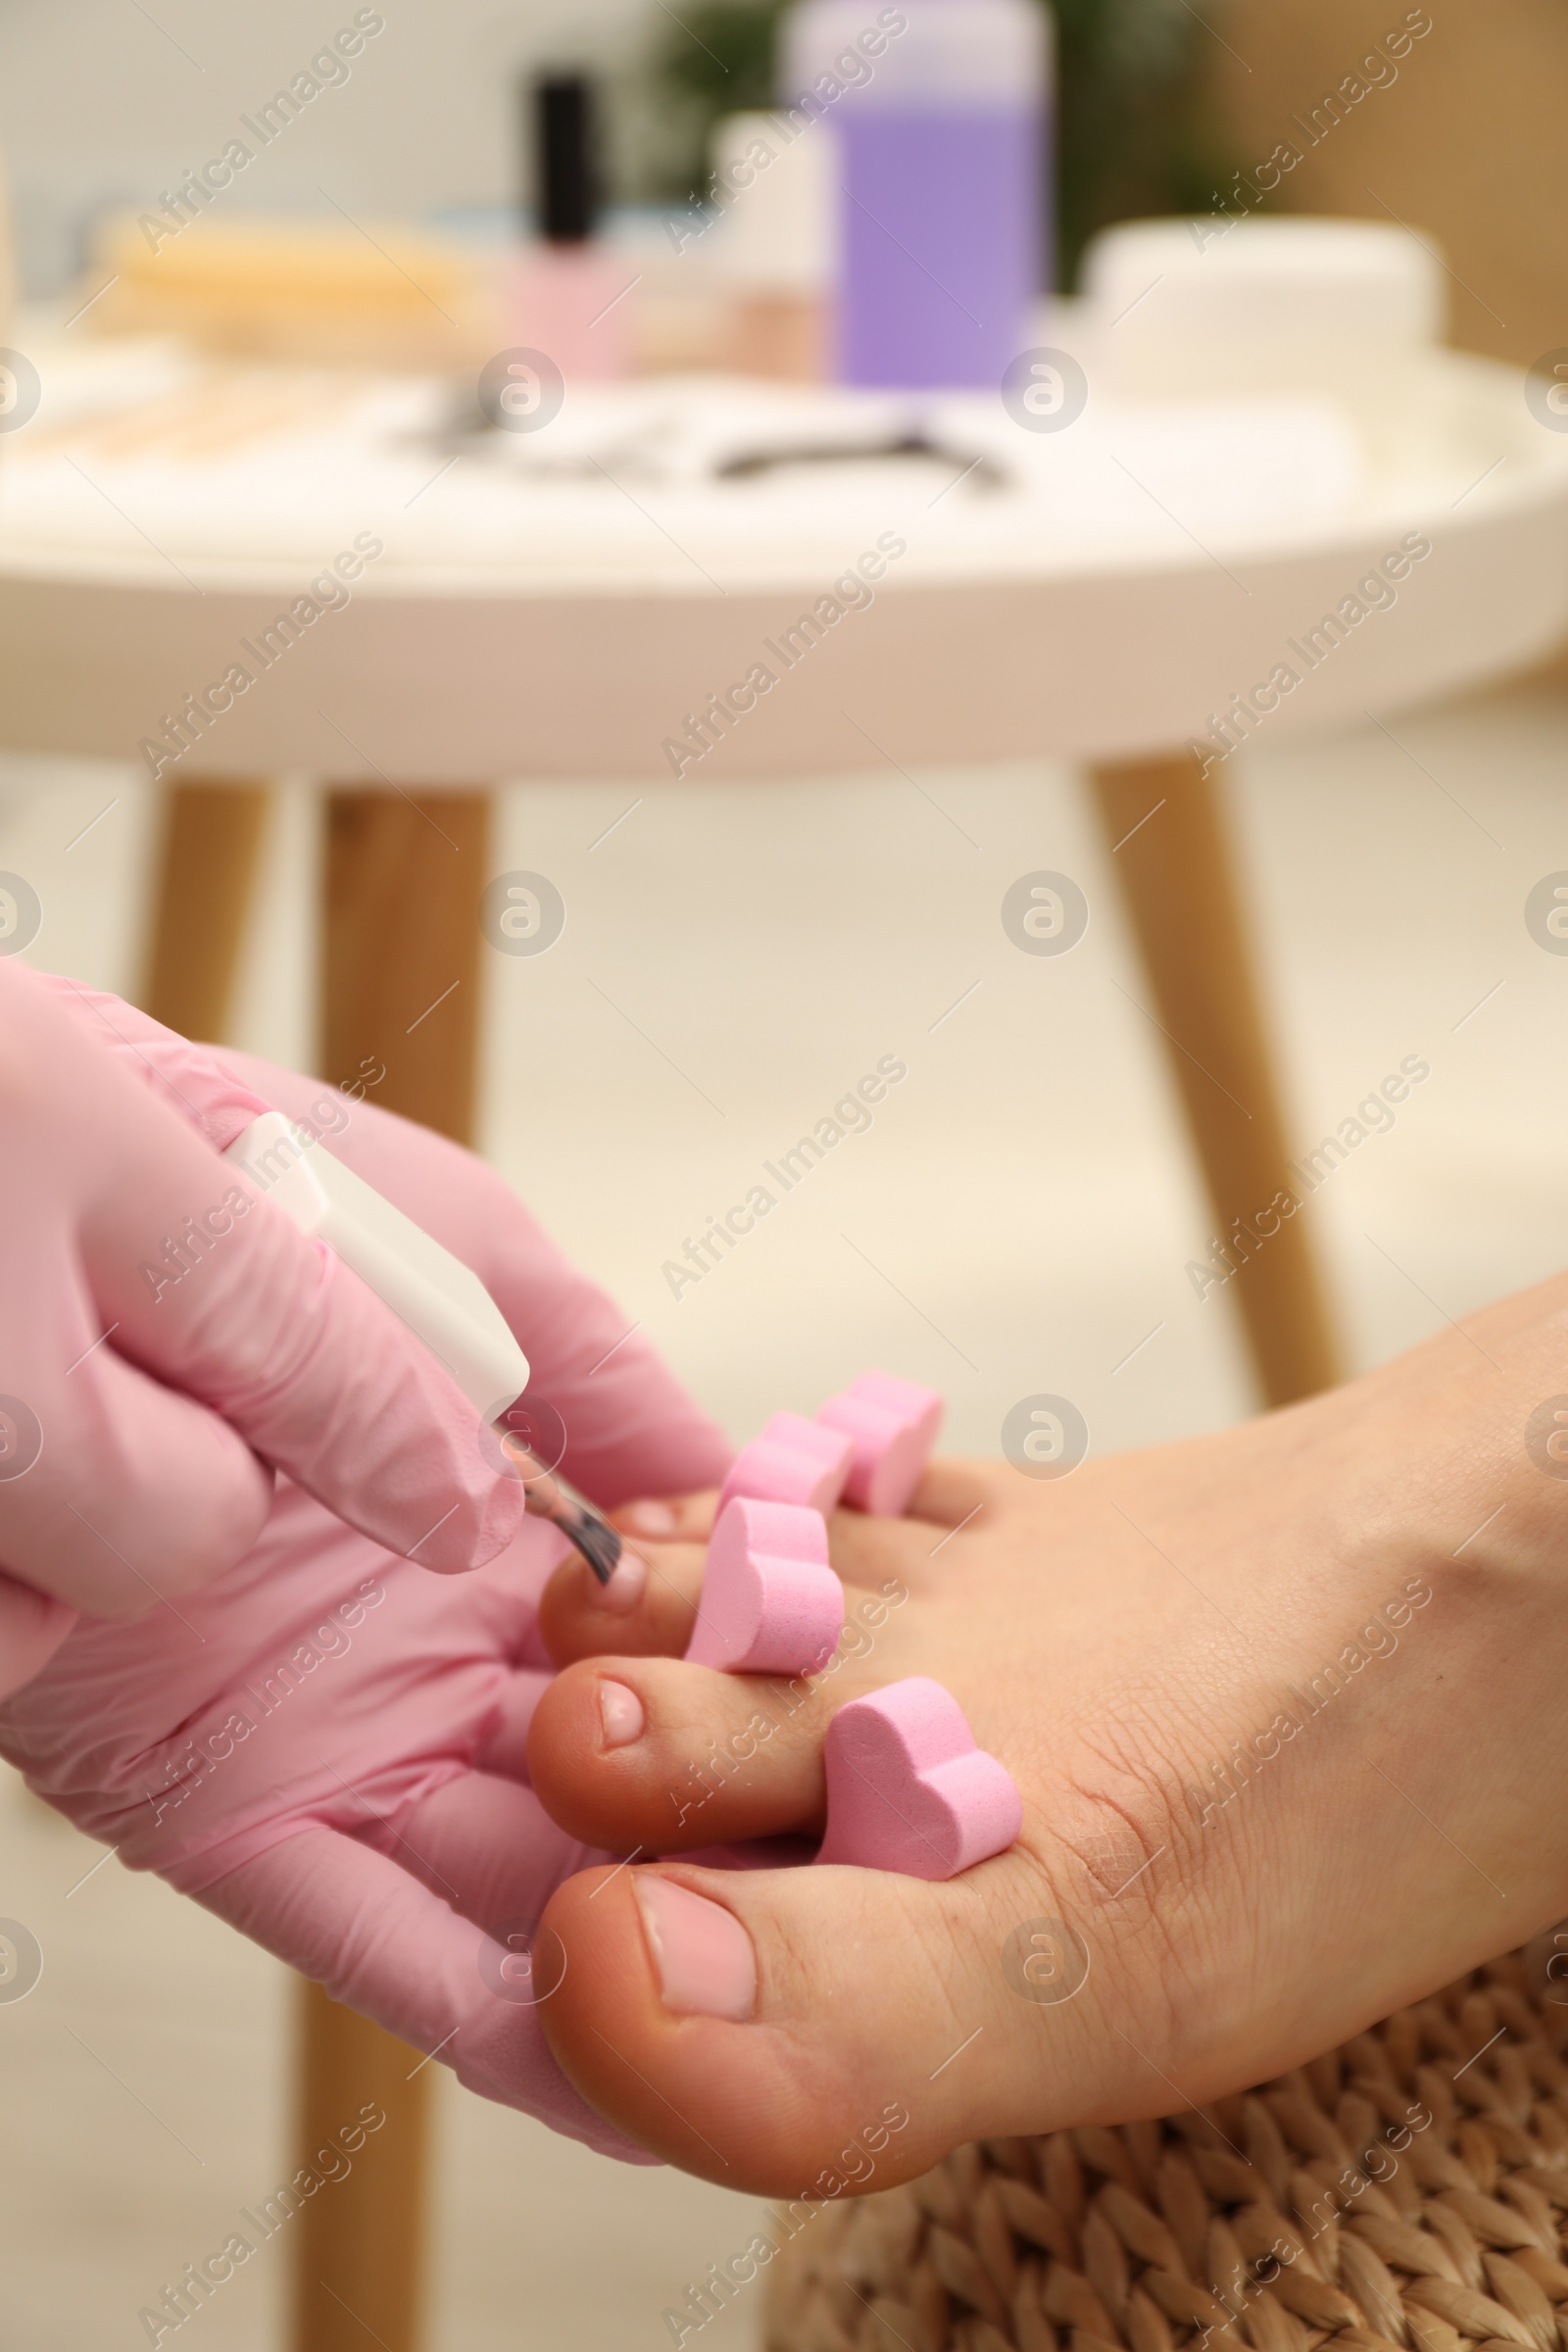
[(796, 2033)]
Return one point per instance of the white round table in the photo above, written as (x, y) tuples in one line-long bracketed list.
[(551, 604), (645, 586), (570, 602)]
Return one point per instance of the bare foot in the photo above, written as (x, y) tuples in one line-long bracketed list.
[(1286, 1707)]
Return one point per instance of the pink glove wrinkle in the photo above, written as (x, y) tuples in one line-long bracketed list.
[(192, 1081), (170, 1340), (320, 1742), (326, 1749)]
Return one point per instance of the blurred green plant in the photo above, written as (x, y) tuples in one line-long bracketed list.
[(1136, 129)]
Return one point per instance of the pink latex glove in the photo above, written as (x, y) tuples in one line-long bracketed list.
[(142, 1417), (325, 1744)]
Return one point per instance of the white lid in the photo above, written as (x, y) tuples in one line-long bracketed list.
[(1267, 278), (920, 52)]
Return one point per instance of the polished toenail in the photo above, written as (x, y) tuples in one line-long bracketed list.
[(703, 1955), (621, 1711), (651, 1518), (627, 1579)]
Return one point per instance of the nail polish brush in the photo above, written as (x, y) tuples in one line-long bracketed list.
[(443, 1303)]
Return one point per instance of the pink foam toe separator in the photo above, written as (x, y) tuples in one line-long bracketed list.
[(793, 1460), (893, 1426), (770, 1603), (909, 1790)]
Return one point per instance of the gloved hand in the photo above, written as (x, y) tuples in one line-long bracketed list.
[(136, 1397), (324, 1743)]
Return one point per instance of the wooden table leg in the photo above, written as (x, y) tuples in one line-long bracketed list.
[(401, 951), (211, 846), (359, 2255), (400, 996), (1164, 823)]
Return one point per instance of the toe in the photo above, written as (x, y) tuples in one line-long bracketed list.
[(670, 1518), (891, 1556), (653, 1756), (647, 1609), (798, 2032), (953, 1492)]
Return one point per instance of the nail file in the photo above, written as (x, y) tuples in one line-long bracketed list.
[(443, 1302)]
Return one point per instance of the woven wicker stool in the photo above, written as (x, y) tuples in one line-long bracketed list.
[(1404, 2191)]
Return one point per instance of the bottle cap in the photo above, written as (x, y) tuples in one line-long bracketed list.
[(566, 175)]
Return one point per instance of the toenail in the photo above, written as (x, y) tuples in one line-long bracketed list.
[(651, 1518), (621, 1711), (624, 1590), (703, 1955)]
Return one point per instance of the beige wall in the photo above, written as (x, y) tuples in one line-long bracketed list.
[(102, 105), (1470, 144)]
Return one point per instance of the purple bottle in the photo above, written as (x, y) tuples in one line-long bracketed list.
[(937, 113)]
